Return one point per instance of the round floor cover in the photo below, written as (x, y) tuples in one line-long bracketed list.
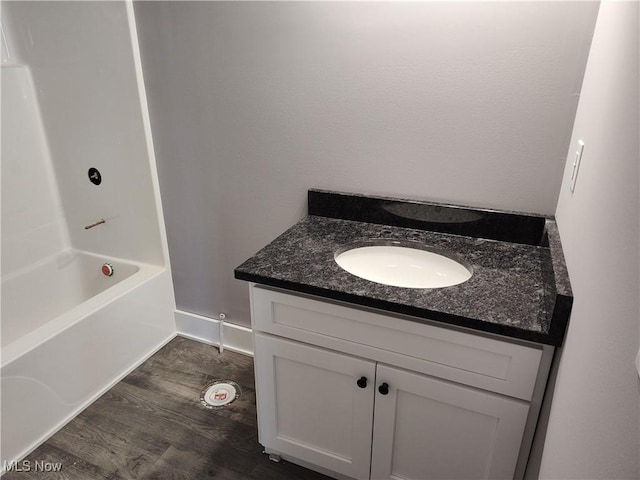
[(219, 394)]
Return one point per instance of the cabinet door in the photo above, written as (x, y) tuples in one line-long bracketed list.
[(311, 407), (426, 428)]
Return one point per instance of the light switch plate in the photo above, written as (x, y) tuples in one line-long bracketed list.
[(638, 362), (576, 165)]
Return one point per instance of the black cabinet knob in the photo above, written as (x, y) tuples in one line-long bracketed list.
[(362, 382), (383, 389)]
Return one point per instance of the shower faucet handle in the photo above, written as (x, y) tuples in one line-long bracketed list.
[(94, 176)]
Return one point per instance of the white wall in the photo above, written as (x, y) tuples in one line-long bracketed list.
[(81, 58), (252, 103), (594, 424)]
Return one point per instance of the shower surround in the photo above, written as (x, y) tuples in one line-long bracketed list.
[(73, 100)]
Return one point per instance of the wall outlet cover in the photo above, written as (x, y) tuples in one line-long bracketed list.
[(576, 166)]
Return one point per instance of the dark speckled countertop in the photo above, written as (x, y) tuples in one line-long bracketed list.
[(519, 287)]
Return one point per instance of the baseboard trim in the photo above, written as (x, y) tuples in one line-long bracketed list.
[(207, 330)]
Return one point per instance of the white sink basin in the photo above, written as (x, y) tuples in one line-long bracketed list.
[(402, 266)]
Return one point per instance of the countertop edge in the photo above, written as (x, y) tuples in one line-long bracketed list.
[(560, 271), (553, 338)]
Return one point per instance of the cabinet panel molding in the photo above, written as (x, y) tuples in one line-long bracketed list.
[(425, 428), (310, 405)]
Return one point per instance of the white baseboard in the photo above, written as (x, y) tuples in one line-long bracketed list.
[(207, 330)]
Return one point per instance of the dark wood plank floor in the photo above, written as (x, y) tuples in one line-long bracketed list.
[(151, 426)]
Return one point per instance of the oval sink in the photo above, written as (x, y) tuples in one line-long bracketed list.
[(401, 266)]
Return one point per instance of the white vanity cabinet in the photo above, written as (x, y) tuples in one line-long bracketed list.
[(360, 394)]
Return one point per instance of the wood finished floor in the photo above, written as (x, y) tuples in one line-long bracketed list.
[(151, 426)]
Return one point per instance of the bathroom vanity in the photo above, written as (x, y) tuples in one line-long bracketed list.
[(358, 379)]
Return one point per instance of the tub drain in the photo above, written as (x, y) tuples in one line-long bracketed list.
[(219, 394)]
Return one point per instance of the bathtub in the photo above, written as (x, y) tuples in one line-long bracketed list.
[(69, 333)]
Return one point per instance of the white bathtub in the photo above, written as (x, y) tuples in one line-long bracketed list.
[(50, 289), (69, 333)]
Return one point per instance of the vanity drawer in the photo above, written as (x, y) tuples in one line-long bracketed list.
[(475, 360)]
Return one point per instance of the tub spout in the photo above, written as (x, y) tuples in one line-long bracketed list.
[(100, 222)]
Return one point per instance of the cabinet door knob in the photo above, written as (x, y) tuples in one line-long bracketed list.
[(362, 382), (383, 389)]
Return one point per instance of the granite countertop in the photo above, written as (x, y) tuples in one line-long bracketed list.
[(519, 288)]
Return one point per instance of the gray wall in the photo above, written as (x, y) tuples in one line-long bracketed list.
[(594, 424), (254, 103)]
